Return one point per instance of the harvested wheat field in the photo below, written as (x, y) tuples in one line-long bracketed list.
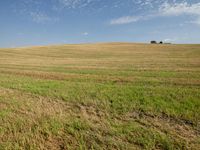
[(100, 96)]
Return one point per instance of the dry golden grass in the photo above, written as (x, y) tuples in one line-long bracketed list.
[(100, 96)]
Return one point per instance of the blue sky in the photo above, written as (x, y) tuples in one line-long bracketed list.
[(43, 22)]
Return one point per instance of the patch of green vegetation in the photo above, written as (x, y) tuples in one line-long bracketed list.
[(146, 138), (178, 101)]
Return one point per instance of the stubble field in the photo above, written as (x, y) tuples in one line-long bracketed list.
[(100, 96)]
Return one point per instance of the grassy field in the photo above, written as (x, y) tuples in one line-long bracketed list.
[(100, 96)]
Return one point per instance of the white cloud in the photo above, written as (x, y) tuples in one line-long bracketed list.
[(75, 3), (176, 39), (85, 33), (177, 9), (169, 40), (197, 21), (39, 17), (125, 20), (163, 10), (70, 3)]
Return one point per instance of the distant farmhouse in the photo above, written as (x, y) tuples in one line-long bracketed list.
[(153, 42), (161, 42)]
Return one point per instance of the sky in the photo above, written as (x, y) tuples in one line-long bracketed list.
[(48, 22)]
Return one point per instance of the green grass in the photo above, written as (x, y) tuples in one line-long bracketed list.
[(100, 96)]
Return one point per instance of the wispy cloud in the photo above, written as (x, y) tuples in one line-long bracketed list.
[(169, 40), (163, 10), (197, 21), (177, 9), (40, 17), (75, 3), (125, 20), (85, 33), (176, 39)]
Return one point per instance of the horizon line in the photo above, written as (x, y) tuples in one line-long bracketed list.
[(93, 43)]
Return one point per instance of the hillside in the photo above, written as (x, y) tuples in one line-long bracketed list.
[(100, 96)]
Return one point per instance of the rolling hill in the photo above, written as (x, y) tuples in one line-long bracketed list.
[(100, 96)]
